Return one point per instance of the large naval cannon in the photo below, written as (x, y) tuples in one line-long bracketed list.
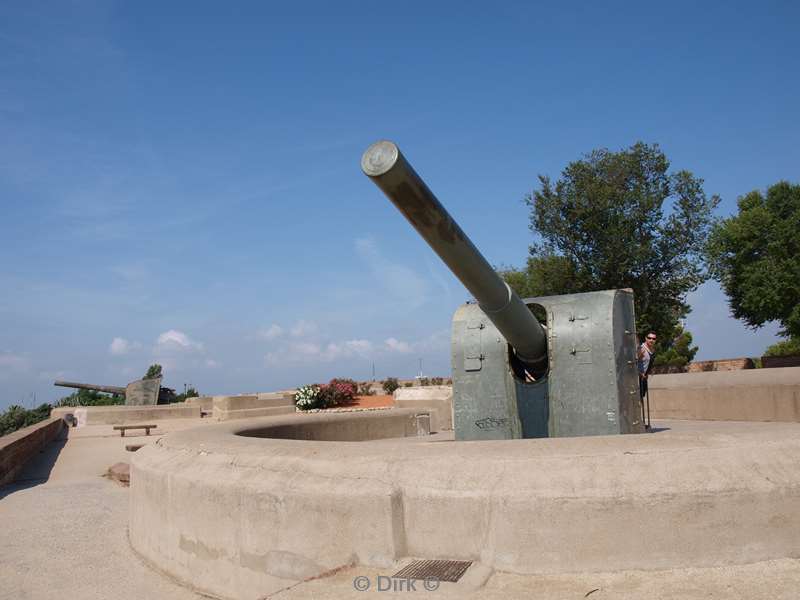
[(142, 392), (512, 376)]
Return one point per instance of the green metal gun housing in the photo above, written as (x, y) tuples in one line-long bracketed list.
[(511, 377)]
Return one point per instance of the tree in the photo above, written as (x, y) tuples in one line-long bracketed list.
[(153, 372), (191, 392), (90, 398), (16, 417), (621, 220), (790, 347), (678, 351), (755, 255), (390, 384)]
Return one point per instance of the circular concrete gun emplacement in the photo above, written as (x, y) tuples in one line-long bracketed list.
[(242, 509)]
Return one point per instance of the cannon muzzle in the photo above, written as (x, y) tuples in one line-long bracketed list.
[(387, 167)]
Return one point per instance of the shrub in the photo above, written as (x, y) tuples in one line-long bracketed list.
[(789, 347), (338, 392), (408, 384), (190, 393), (90, 398), (307, 397), (153, 372), (437, 381), (17, 417), (423, 381), (390, 384), (365, 389)]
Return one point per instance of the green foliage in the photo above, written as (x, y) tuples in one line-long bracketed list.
[(437, 381), (407, 384), (365, 389), (677, 352), (390, 384), (755, 255), (790, 347), (307, 397), (620, 220), (338, 392), (90, 398), (153, 372), (16, 417), (423, 381), (190, 393), (544, 275)]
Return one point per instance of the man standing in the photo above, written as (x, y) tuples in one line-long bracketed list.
[(645, 360)]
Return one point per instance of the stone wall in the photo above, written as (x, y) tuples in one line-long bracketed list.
[(17, 448), (780, 361), (724, 364)]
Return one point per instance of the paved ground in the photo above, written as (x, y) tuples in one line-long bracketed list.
[(63, 526), (773, 580), (63, 535)]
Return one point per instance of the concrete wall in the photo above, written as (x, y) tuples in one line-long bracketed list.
[(246, 406), (120, 415), (17, 448), (748, 395), (349, 427), (206, 403), (438, 399), (730, 395), (242, 517)]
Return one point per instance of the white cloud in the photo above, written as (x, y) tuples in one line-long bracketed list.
[(395, 345), (304, 351), (120, 346), (303, 328), (176, 340), (211, 363), (271, 332), (399, 282), (348, 349)]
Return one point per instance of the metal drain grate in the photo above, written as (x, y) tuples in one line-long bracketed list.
[(441, 570)]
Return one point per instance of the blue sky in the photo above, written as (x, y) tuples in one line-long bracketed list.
[(179, 182)]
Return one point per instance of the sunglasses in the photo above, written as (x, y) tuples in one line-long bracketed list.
[(651, 338)]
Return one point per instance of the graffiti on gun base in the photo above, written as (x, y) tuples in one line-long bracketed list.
[(490, 423)]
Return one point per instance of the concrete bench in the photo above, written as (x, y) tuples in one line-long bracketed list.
[(123, 428)]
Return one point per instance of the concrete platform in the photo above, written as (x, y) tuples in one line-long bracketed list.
[(64, 533), (690, 495), (64, 525)]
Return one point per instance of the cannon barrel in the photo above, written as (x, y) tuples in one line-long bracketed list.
[(390, 171), (108, 389)]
